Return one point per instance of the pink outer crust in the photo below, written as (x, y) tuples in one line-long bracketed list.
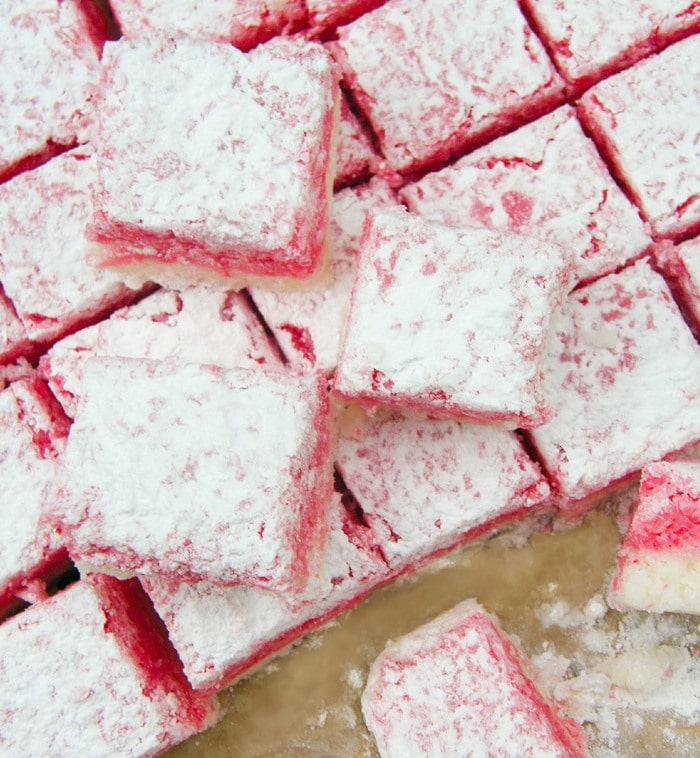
[(144, 640), (270, 541), (470, 112), (667, 515), (464, 656), (242, 23), (126, 242), (659, 33), (546, 180), (657, 169), (325, 15), (680, 264)]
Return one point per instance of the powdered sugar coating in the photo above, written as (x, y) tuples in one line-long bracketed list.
[(236, 180), (356, 153), (545, 180), (31, 439), (620, 342), (196, 325), (69, 688), (659, 559), (50, 66), (682, 264), (433, 81), (243, 23), (484, 297), (43, 251), (647, 120), (456, 686), (197, 472), (325, 14), (309, 325), (427, 485), (591, 40), (258, 623), (13, 337)]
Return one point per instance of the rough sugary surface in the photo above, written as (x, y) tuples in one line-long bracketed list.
[(659, 559), (309, 325), (425, 486), (356, 154), (72, 683), (43, 251), (32, 437), (243, 23), (326, 14), (198, 472), (49, 59), (197, 324), (681, 263), (646, 120), (486, 298), (545, 180), (457, 686), (623, 375), (257, 622), (224, 167), (13, 338), (591, 40), (435, 78)]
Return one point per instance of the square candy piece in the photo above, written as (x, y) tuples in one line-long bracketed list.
[(356, 154), (309, 326), (212, 162), (545, 180), (681, 264), (438, 77), (33, 432), (258, 623), (591, 39), (198, 472), (243, 23), (43, 251), (659, 559), (451, 321), (49, 56), (647, 122), (623, 375), (195, 325), (426, 486), (458, 686), (90, 672)]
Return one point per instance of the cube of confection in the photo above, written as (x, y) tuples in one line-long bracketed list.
[(308, 326), (197, 471), (197, 324), (243, 23), (257, 622), (326, 14), (645, 121), (43, 251), (591, 40), (32, 437), (623, 375), (90, 672), (427, 485), (681, 264), (459, 686), (451, 321), (49, 57), (356, 154), (13, 337), (658, 565), (221, 170), (547, 180), (437, 78)]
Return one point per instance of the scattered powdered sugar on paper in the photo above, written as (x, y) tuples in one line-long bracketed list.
[(625, 671)]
